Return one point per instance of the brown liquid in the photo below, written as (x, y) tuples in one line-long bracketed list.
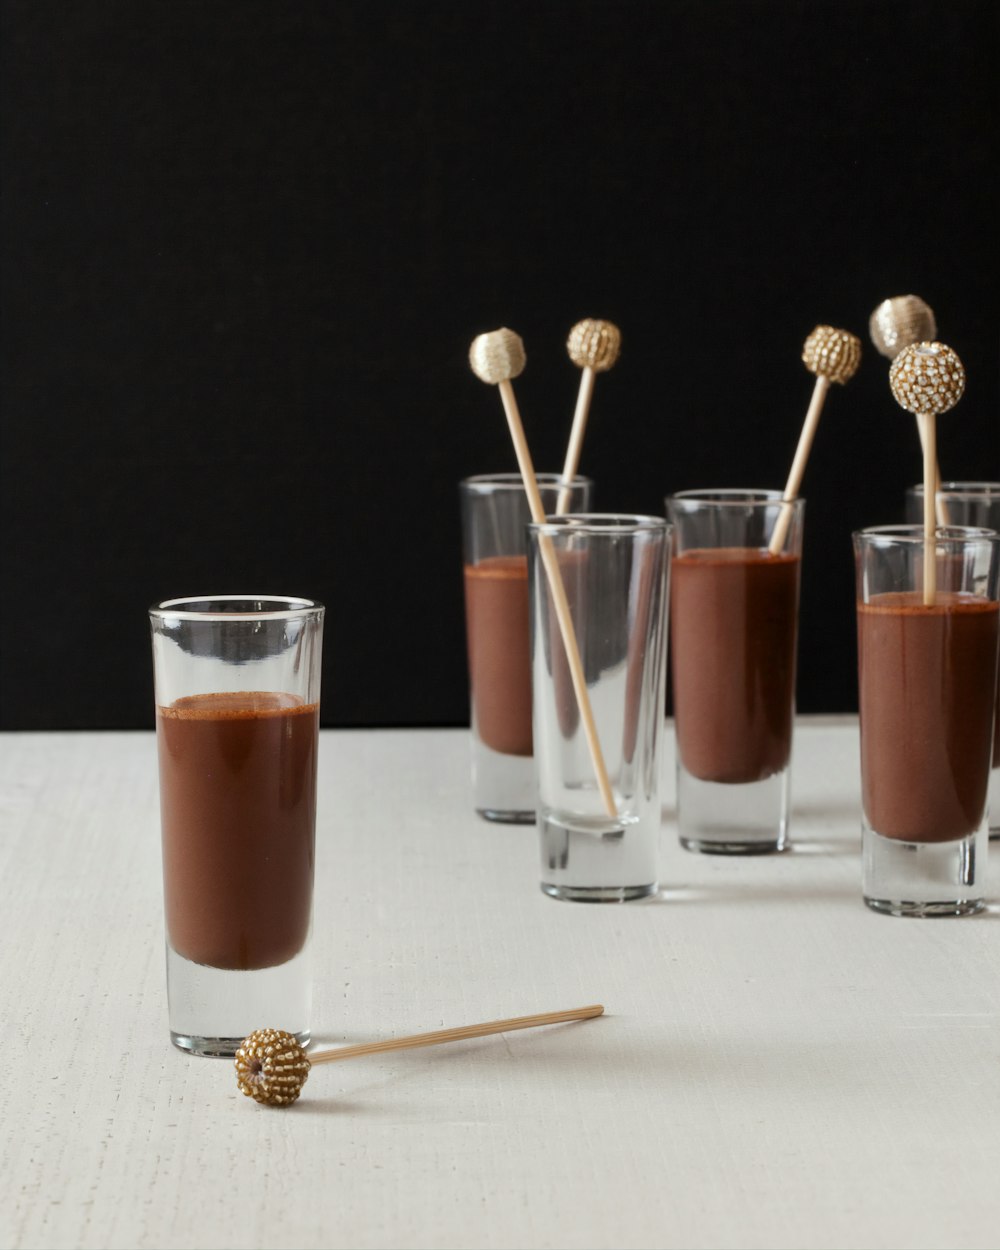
[(927, 684), (733, 623), (238, 806), (996, 727), (498, 634)]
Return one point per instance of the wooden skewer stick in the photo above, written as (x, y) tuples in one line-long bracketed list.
[(272, 1066), (895, 324), (833, 356), (593, 345), (927, 425), (940, 507), (457, 1035), (573, 449), (928, 379), (496, 358)]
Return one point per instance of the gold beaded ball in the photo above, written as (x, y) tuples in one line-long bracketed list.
[(927, 378), (900, 321), (832, 354), (594, 344), (271, 1067), (497, 356)]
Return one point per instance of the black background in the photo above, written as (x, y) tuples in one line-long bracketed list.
[(247, 246)]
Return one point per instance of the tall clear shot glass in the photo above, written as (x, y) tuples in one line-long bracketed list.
[(495, 544), (734, 618), (976, 504), (614, 573), (237, 688), (927, 672)]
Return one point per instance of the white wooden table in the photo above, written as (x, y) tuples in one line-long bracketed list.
[(778, 1066)]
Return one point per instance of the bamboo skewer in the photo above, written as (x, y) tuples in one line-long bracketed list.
[(928, 379), (572, 462), (940, 507), (272, 1067), (926, 424), (794, 483), (593, 346), (833, 356), (496, 358), (460, 1034)]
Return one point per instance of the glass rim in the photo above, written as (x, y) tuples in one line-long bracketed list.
[(185, 609), (600, 523), (514, 481), (957, 489), (913, 535), (741, 497)]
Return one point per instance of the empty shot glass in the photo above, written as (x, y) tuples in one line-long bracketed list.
[(927, 672), (495, 543), (976, 504), (613, 570), (237, 682), (734, 612)]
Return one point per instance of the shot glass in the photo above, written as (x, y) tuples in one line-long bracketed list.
[(237, 682), (927, 671), (734, 610), (614, 572), (495, 544), (976, 504)]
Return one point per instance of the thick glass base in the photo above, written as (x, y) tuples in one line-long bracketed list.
[(503, 786), (580, 894), (717, 819), (507, 818), (597, 860), (213, 1009), (221, 1047), (924, 878)]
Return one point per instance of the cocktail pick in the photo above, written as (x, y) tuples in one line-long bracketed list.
[(833, 356), (928, 379), (895, 324), (272, 1067), (496, 358), (593, 346)]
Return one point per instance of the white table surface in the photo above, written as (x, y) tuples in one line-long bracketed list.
[(778, 1065)]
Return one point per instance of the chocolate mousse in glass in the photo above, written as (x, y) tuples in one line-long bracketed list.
[(495, 544), (733, 634), (927, 673), (237, 686), (977, 504)]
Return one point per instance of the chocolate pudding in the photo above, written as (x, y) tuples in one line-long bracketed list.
[(733, 624), (996, 729), (497, 630), (927, 684), (238, 803)]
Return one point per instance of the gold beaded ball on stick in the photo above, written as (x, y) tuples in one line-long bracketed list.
[(900, 321), (594, 344), (497, 356), (271, 1067), (832, 354), (927, 378)]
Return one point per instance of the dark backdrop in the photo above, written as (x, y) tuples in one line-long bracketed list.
[(247, 244)]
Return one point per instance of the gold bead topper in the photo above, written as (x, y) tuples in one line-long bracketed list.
[(832, 354), (271, 1067), (594, 344), (900, 321), (927, 378), (497, 356)]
